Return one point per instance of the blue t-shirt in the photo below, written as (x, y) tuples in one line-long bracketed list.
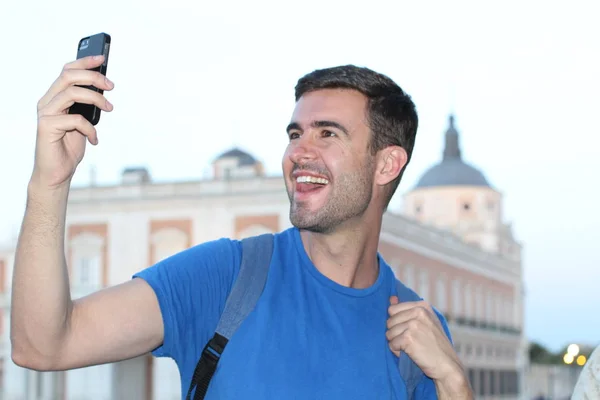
[(307, 338)]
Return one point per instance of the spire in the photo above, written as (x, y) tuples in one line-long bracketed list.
[(452, 148)]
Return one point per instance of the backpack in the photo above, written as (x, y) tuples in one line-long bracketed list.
[(256, 259)]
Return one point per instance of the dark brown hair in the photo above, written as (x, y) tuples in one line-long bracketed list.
[(391, 113)]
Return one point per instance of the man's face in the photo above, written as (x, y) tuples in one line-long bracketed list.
[(328, 167)]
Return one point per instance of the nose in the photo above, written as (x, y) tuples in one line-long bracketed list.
[(302, 150)]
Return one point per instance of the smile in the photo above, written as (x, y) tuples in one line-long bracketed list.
[(311, 179)]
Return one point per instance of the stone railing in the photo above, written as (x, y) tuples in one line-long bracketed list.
[(483, 325)]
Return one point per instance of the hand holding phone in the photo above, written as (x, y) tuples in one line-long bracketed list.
[(67, 114)]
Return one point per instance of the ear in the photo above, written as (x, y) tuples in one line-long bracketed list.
[(390, 161)]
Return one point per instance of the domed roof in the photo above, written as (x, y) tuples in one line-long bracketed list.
[(452, 170), (243, 157)]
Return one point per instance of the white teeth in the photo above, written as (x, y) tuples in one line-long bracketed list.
[(311, 179)]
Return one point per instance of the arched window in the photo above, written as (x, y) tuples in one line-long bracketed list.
[(167, 242), (87, 260), (254, 230)]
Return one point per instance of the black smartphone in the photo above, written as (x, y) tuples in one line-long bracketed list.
[(95, 45)]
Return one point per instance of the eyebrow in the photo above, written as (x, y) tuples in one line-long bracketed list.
[(318, 124)]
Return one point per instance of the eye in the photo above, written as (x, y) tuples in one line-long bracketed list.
[(293, 135), (327, 133)]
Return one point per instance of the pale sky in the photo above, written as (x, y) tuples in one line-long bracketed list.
[(194, 78)]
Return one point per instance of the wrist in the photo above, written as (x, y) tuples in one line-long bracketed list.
[(40, 187), (455, 385), (47, 198)]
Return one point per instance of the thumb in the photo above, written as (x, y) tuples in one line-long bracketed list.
[(394, 300)]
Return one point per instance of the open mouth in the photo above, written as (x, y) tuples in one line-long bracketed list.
[(307, 183)]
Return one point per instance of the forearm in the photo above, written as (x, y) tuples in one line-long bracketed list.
[(456, 387), (41, 300)]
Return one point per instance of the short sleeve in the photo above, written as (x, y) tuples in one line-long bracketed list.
[(192, 287)]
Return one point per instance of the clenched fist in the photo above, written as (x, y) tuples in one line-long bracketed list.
[(414, 328), (61, 137)]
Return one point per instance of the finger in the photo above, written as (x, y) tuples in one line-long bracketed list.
[(416, 313), (394, 300), (84, 77), (396, 330), (398, 344), (69, 77), (408, 305), (59, 124), (396, 338), (88, 62), (74, 94)]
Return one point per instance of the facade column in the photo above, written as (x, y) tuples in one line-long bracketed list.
[(60, 385), (130, 379), (31, 385)]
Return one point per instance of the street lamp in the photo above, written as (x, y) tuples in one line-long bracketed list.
[(572, 355), (568, 358)]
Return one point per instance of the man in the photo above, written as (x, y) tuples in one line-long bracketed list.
[(327, 325)]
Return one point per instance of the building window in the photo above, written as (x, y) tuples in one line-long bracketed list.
[(440, 295), (489, 309), (456, 298), (409, 276), (418, 205), (479, 314), (508, 312), (88, 272), (468, 301), (424, 284), (167, 242), (87, 260), (472, 373), (499, 313), (482, 382)]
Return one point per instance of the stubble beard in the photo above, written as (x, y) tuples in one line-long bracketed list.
[(348, 199)]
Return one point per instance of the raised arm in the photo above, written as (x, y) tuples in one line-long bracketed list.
[(49, 331)]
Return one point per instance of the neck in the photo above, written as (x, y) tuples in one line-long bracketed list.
[(348, 256)]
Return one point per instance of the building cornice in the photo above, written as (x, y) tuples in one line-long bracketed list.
[(176, 190), (448, 248)]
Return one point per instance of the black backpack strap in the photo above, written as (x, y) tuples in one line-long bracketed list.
[(256, 259)]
